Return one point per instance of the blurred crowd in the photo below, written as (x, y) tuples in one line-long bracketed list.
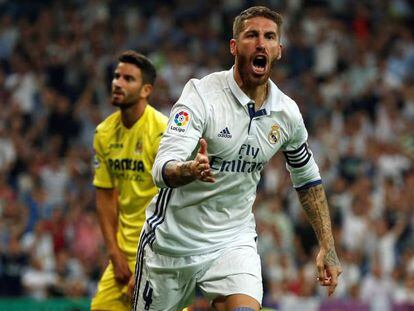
[(349, 65)]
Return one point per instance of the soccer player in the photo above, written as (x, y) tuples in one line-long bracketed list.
[(125, 145), (200, 230)]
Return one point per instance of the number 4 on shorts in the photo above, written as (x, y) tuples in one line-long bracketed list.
[(147, 295)]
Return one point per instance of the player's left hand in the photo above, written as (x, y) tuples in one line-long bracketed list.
[(329, 269)]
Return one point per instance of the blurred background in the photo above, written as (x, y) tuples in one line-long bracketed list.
[(348, 64)]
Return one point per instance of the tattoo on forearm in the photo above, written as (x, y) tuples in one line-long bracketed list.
[(314, 203), (179, 173)]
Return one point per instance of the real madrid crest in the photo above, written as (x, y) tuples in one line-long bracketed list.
[(274, 134)]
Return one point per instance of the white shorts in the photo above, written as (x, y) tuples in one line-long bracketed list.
[(164, 283)]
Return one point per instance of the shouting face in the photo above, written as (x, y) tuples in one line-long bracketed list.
[(255, 50), (126, 85)]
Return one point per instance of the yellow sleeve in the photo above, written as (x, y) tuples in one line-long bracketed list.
[(162, 126), (156, 144), (102, 177)]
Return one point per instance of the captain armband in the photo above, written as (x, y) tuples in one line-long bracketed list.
[(299, 157)]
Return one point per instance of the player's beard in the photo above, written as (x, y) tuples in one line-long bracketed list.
[(247, 75), (127, 101)]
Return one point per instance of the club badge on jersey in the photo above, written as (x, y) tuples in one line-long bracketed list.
[(274, 134), (138, 147)]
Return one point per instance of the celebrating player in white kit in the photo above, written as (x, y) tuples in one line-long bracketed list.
[(200, 230)]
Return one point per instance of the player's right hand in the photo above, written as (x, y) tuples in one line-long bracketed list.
[(201, 166), (121, 268), (131, 285)]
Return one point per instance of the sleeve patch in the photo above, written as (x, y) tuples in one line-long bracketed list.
[(299, 157), (179, 122), (96, 162)]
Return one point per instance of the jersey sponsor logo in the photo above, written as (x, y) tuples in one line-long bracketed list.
[(274, 134), (116, 146), (180, 122), (239, 165), (247, 161), (126, 165), (225, 133), (249, 150), (124, 175)]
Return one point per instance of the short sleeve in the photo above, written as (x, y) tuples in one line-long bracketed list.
[(102, 177), (184, 130), (299, 158), (158, 133)]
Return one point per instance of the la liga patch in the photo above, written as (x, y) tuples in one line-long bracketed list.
[(180, 122)]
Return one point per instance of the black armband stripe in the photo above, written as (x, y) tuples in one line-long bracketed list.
[(299, 157)]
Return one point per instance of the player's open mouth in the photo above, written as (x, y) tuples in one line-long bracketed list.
[(117, 93), (259, 64)]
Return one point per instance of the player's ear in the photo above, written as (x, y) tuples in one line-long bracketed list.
[(233, 48), (279, 55), (146, 90)]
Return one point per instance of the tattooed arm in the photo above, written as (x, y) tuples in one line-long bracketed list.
[(314, 203), (178, 174)]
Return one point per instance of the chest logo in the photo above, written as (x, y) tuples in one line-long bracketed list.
[(274, 134), (138, 148), (116, 146), (225, 133)]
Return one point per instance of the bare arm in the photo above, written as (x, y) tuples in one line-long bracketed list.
[(314, 203), (108, 216), (178, 174), (106, 204)]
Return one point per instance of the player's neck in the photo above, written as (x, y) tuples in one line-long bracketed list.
[(257, 93), (130, 115)]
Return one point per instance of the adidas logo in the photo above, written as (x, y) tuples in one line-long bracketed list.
[(225, 133)]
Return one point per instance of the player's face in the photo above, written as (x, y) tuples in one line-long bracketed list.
[(256, 49), (126, 85)]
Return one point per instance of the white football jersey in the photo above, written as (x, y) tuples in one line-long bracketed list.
[(201, 217)]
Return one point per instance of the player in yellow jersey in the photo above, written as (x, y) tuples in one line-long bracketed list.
[(125, 145)]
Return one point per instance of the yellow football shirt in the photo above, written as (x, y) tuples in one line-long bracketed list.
[(123, 160)]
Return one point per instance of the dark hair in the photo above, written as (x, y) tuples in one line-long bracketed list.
[(256, 11), (148, 71)]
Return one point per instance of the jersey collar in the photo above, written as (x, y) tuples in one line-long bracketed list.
[(241, 97), (272, 102), (139, 122)]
